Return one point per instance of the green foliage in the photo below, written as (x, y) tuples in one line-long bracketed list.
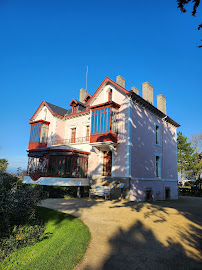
[(20, 236), (189, 155), (184, 153), (17, 203), (62, 245), (61, 192), (3, 164), (196, 3), (196, 141)]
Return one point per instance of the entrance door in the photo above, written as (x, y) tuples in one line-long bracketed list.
[(107, 163)]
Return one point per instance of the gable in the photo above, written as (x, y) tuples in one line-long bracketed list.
[(42, 113), (53, 109), (100, 95)]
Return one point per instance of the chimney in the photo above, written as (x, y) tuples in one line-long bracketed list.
[(83, 94), (135, 90), (147, 92), (121, 81), (161, 103)]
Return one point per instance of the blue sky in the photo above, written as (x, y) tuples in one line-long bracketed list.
[(45, 47)]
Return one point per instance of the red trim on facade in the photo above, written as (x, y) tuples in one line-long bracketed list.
[(58, 150), (44, 103), (73, 101), (36, 145), (110, 95), (57, 114), (106, 104), (87, 97), (106, 80), (39, 121), (104, 137), (77, 113)]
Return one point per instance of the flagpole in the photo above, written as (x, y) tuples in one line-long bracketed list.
[(86, 77)]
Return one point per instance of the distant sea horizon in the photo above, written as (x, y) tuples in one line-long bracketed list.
[(13, 170)]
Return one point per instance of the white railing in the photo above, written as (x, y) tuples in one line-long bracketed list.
[(72, 140)]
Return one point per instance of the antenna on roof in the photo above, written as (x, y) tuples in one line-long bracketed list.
[(86, 77)]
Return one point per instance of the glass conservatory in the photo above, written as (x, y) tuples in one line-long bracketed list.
[(57, 163)]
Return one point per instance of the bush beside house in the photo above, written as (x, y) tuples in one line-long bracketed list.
[(19, 225)]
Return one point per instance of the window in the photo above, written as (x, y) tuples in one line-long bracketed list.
[(158, 166), (73, 109), (110, 95), (104, 120), (100, 121), (35, 133), (73, 135), (107, 163), (157, 134), (68, 166), (87, 133), (167, 193), (44, 134), (44, 114)]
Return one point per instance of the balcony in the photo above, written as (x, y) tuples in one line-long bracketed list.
[(38, 134), (73, 140), (104, 124)]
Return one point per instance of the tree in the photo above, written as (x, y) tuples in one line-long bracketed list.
[(196, 141), (3, 164), (181, 6), (184, 154)]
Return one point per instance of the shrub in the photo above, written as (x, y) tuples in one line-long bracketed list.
[(20, 236), (17, 203), (61, 192)]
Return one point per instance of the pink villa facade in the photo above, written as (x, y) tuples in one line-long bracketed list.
[(110, 138)]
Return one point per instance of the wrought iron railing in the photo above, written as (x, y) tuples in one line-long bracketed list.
[(72, 140)]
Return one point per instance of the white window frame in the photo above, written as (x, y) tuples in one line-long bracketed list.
[(158, 134), (159, 168)]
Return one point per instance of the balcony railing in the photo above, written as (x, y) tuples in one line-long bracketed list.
[(72, 140)]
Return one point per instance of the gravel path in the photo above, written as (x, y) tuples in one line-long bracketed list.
[(130, 235)]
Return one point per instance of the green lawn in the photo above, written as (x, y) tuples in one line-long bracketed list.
[(61, 247)]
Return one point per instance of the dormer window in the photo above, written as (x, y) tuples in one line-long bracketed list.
[(87, 98), (110, 95), (73, 109)]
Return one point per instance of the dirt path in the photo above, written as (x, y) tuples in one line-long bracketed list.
[(128, 235)]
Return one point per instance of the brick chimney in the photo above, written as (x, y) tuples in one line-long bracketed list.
[(83, 94), (120, 80), (135, 90), (161, 103), (147, 92)]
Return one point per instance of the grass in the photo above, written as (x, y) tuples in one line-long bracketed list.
[(62, 245)]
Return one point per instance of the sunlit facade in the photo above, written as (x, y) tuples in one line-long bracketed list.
[(112, 137)]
